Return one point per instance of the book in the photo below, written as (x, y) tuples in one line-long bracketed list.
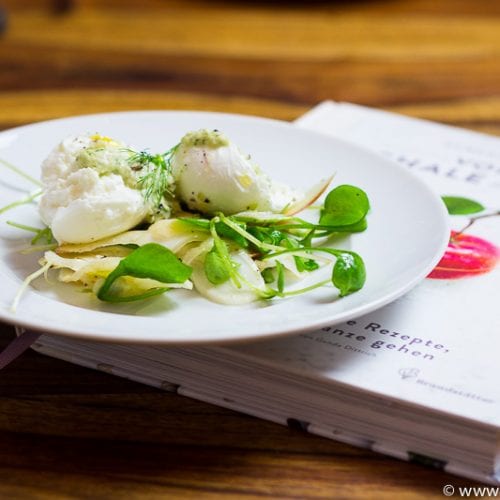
[(417, 379)]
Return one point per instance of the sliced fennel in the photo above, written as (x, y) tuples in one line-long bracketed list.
[(233, 259)]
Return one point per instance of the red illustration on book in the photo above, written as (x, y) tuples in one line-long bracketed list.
[(466, 255)]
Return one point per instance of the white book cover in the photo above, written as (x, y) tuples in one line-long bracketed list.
[(435, 349)]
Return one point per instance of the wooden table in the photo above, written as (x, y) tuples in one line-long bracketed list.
[(70, 432)]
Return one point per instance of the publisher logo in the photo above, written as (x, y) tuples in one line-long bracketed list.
[(406, 373)]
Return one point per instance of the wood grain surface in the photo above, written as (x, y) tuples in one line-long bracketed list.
[(69, 432)]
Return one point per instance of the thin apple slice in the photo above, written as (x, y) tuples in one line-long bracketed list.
[(310, 196)]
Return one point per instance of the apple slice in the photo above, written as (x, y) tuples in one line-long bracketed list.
[(310, 196)]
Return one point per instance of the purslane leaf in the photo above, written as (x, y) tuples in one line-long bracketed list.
[(221, 249), (215, 268), (344, 206), (349, 273), (151, 261), (281, 276)]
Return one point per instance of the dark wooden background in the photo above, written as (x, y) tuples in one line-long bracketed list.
[(68, 432)]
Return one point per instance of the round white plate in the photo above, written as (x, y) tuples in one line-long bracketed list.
[(407, 233)]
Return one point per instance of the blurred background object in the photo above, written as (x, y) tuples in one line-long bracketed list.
[(3, 20), (432, 59)]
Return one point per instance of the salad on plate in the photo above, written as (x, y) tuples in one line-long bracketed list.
[(127, 224)]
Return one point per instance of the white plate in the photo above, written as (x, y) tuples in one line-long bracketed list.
[(407, 234)]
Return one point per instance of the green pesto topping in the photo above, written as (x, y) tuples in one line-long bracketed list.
[(207, 138), (108, 159)]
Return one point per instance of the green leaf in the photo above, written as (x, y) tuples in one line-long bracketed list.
[(457, 205), (222, 229), (40, 234), (152, 261), (215, 268), (267, 235), (281, 276), (344, 206), (305, 264), (349, 273), (202, 224), (307, 240), (220, 247), (228, 232), (268, 275), (44, 235), (357, 227), (301, 263)]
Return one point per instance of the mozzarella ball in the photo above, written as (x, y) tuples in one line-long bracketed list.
[(213, 175)]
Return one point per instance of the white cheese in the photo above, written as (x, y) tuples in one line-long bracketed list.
[(212, 175), (81, 204)]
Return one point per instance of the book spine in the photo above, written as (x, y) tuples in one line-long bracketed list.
[(395, 451), (335, 433)]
